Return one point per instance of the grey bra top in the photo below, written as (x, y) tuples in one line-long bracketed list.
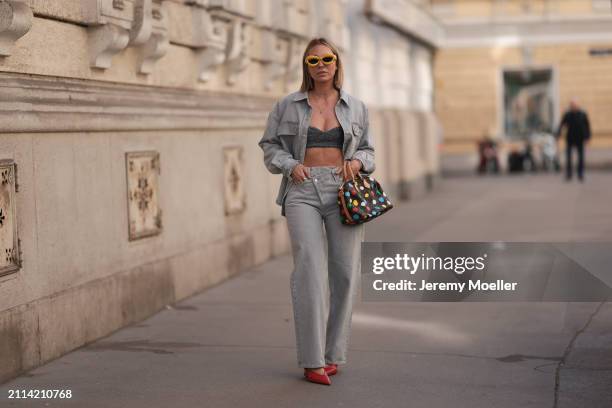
[(329, 138)]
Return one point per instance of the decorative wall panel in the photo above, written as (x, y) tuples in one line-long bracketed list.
[(10, 258), (235, 197), (15, 22), (144, 214)]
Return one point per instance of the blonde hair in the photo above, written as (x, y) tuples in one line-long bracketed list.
[(307, 81)]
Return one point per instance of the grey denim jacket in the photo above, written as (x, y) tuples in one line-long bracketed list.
[(284, 140)]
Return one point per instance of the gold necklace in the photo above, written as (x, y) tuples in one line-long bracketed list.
[(325, 107)]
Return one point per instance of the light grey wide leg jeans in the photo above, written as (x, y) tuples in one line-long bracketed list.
[(327, 262)]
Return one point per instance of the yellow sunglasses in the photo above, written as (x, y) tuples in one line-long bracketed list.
[(313, 60)]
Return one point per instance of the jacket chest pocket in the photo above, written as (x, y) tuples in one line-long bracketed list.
[(354, 138), (287, 133), (287, 129)]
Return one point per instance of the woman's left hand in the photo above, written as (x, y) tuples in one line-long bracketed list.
[(346, 174)]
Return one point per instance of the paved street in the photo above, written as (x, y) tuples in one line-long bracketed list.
[(233, 345)]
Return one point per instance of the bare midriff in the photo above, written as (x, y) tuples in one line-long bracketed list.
[(323, 156)]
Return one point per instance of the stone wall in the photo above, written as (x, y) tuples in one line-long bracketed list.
[(468, 89), (485, 38), (131, 175), (476, 9)]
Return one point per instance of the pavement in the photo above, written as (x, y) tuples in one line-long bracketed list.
[(233, 345), (465, 163)]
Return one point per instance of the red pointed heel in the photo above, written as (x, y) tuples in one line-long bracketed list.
[(331, 369), (317, 378)]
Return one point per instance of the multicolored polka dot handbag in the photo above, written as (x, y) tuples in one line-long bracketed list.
[(361, 199)]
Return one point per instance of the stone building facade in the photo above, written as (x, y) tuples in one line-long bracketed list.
[(503, 61), (131, 175)]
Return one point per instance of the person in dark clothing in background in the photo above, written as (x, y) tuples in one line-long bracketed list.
[(578, 133)]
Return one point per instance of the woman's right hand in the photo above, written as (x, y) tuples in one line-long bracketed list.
[(300, 173)]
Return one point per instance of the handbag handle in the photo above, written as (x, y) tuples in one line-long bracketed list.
[(347, 163)]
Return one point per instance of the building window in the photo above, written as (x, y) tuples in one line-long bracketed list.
[(528, 102)]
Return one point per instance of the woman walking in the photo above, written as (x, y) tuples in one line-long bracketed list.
[(312, 137)]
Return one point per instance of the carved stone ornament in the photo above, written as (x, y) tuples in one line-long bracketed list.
[(274, 57), (144, 214), (149, 33), (237, 57), (153, 50), (104, 42), (211, 36), (110, 23), (118, 24), (10, 257), (15, 21), (234, 191), (142, 26)]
